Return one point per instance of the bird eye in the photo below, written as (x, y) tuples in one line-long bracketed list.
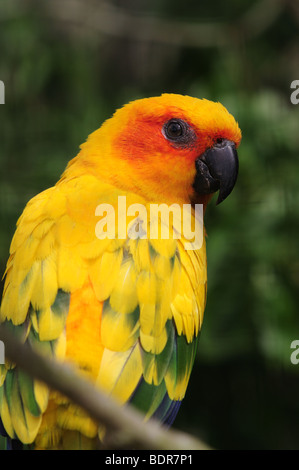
[(179, 133), (173, 129)]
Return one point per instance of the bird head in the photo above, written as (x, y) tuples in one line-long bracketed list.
[(170, 148)]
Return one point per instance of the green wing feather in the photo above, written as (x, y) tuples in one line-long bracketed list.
[(158, 315), (35, 309)]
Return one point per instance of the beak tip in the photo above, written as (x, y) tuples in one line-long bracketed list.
[(229, 171), (220, 199), (217, 169), (223, 194)]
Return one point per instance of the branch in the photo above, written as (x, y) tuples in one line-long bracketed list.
[(125, 425)]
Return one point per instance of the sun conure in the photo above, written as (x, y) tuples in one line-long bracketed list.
[(92, 288)]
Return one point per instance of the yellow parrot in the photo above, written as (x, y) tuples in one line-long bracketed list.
[(89, 283)]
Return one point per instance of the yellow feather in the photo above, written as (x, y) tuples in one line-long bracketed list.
[(171, 382), (162, 267), (179, 391), (141, 254), (71, 269), (153, 344), (165, 248), (120, 372), (146, 292), (6, 417), (21, 235), (176, 276), (41, 393), (70, 232), (119, 331), (94, 249), (3, 372), (188, 326), (50, 325), (165, 296), (25, 425), (177, 319), (55, 204), (16, 301), (25, 256), (154, 296), (41, 229), (151, 373), (46, 286), (123, 298), (103, 273), (60, 347), (46, 246)]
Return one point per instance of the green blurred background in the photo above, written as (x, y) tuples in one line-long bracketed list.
[(68, 64)]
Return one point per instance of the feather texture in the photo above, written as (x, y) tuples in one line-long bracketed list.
[(125, 311)]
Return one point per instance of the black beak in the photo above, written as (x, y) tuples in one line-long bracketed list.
[(217, 168)]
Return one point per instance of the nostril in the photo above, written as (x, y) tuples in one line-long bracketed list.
[(219, 141)]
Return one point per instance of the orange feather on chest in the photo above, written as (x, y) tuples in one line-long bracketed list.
[(83, 330)]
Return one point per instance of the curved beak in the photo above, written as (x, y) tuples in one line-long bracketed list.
[(217, 169)]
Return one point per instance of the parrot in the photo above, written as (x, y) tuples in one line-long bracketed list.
[(123, 309)]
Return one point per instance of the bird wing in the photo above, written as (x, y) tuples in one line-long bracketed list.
[(127, 311)]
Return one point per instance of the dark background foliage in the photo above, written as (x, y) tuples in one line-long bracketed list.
[(68, 64)]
